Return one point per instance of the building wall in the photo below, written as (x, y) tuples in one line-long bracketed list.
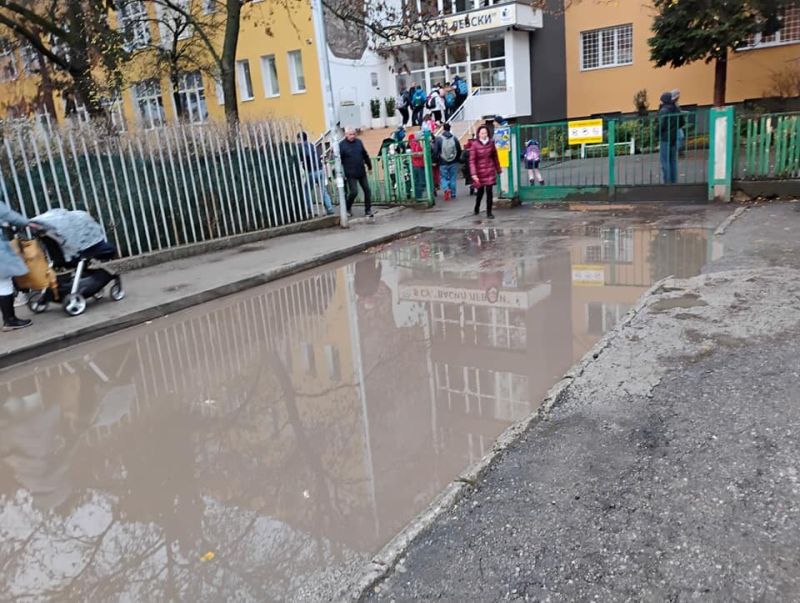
[(612, 89), (547, 76), (289, 32)]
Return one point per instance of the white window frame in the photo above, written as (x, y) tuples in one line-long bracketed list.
[(176, 20), (133, 14), (192, 88), (266, 76), (242, 76), (293, 75), (791, 27), (7, 54), (598, 33), (154, 116), (113, 106)]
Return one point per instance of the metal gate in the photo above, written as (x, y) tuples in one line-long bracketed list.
[(626, 166)]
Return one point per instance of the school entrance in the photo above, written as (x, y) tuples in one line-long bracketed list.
[(613, 159)]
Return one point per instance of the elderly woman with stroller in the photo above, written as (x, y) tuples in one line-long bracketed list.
[(11, 265)]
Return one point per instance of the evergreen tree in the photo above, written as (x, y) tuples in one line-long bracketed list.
[(686, 31)]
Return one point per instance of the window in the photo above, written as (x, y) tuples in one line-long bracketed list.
[(789, 33), (133, 22), (113, 107), (209, 6), (610, 47), (220, 92), (149, 104), (8, 62), (192, 97), (309, 360), (488, 64), (269, 70), (75, 109), (296, 74), (334, 363), (245, 83), (31, 62), (174, 25)]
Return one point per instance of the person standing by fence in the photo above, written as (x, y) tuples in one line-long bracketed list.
[(670, 123), (418, 99), (315, 174), (417, 165), (355, 163), (403, 105), (448, 150), (484, 166)]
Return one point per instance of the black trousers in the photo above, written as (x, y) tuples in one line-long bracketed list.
[(352, 192), (403, 115), (416, 116), (479, 198)]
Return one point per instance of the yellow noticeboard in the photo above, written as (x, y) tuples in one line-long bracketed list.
[(585, 131), (503, 155)]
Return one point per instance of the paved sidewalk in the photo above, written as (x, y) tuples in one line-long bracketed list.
[(169, 287)]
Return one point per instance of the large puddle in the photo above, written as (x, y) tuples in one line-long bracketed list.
[(263, 446)]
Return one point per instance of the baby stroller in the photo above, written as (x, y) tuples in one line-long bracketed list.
[(71, 241)]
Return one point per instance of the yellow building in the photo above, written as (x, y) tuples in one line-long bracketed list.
[(277, 74), (608, 61)]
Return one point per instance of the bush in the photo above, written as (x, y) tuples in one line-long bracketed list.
[(375, 108)]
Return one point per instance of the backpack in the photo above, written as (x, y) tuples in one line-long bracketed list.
[(402, 100), (418, 100), (462, 87), (450, 99), (533, 153), (431, 104), (449, 150)]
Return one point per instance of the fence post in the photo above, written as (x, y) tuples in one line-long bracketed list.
[(612, 156), (386, 179), (720, 153), (426, 151)]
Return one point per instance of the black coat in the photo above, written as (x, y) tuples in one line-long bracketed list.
[(670, 120), (355, 159)]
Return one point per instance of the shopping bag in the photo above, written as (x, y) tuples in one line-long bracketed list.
[(40, 276)]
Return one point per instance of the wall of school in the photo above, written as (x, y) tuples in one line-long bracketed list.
[(611, 89)]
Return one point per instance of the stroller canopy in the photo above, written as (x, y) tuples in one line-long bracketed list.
[(75, 230)]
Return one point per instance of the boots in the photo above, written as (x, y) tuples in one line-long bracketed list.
[(10, 320)]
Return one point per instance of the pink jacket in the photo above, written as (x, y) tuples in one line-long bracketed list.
[(484, 163)]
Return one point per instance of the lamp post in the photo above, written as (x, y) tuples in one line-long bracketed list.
[(330, 111)]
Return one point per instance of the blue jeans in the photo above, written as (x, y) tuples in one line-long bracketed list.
[(668, 153), (447, 174), (317, 179), (420, 186)]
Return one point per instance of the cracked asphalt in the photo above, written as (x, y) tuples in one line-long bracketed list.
[(668, 472)]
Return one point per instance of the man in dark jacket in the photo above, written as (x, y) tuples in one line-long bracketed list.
[(355, 163), (670, 123), (448, 154), (315, 173)]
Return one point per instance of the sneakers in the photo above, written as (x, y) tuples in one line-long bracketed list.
[(490, 216), (369, 214), (447, 195), (541, 182), (532, 181), (14, 324), (21, 299)]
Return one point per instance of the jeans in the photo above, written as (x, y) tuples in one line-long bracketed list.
[(420, 186), (448, 173), (668, 153), (317, 179), (352, 192)]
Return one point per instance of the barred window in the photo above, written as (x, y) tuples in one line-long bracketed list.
[(789, 33), (134, 23), (609, 47), (193, 97), (149, 104)]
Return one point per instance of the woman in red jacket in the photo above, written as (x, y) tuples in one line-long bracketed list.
[(484, 166)]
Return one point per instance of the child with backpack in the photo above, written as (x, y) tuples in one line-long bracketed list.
[(418, 99), (532, 156)]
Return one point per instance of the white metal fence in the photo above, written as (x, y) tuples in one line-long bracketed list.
[(162, 188)]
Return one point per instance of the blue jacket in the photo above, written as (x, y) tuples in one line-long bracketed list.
[(11, 264)]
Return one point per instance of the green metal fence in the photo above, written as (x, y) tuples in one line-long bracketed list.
[(637, 150), (767, 146)]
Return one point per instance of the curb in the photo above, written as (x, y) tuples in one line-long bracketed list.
[(107, 327), (387, 558)]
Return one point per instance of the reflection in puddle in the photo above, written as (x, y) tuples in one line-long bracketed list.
[(263, 446)]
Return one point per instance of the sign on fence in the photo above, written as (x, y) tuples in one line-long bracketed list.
[(502, 140), (585, 131)]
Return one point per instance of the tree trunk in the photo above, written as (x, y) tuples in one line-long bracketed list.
[(228, 70), (720, 79)]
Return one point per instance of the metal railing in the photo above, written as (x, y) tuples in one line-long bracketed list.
[(162, 188), (767, 146)]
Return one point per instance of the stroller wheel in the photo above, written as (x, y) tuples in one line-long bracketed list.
[(74, 304), (117, 291), (36, 302)]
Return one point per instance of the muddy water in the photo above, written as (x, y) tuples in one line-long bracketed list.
[(263, 446)]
